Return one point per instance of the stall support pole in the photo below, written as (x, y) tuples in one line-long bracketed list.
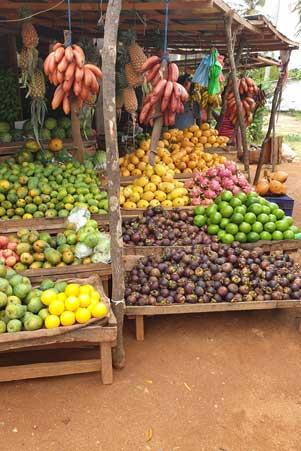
[(233, 74), (115, 221), (158, 122), (76, 135), (228, 85), (275, 105)]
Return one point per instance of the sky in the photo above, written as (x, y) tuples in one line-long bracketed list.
[(287, 23)]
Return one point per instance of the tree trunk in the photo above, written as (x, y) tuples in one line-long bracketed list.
[(109, 107), (233, 73), (79, 149), (275, 105)]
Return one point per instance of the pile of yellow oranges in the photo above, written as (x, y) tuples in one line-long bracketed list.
[(157, 186), (184, 151)]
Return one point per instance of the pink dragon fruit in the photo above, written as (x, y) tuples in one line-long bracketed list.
[(212, 172), (236, 189), (225, 173), (215, 186), (196, 191), (209, 194), (231, 166), (195, 201), (227, 183)]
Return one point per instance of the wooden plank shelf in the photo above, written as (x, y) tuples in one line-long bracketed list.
[(139, 312), (102, 337), (267, 246)]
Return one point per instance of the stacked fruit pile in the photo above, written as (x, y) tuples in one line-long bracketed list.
[(206, 186), (181, 150), (157, 186), (71, 303), (35, 190), (245, 218), (33, 250), (216, 274), (55, 303), (161, 227)]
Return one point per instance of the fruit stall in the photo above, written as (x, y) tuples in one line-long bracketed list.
[(175, 224)]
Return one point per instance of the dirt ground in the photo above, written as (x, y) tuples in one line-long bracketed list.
[(216, 382)]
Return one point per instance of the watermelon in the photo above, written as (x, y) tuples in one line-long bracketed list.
[(58, 133), (6, 137), (45, 134), (4, 128), (65, 123), (50, 123)]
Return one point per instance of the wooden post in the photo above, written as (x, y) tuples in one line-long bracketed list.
[(109, 107), (158, 122), (228, 85), (76, 134), (233, 74), (275, 105)]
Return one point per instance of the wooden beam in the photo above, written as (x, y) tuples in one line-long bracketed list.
[(89, 6), (109, 105), (242, 126)]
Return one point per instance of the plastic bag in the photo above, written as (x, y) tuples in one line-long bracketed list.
[(102, 252), (82, 251), (201, 75), (79, 217), (214, 86)]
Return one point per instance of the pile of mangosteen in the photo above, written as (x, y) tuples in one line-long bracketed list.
[(159, 227), (215, 273)]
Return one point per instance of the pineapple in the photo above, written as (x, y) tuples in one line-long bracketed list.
[(37, 85), (137, 56), (119, 101), (130, 100), (23, 59), (30, 36), (133, 78)]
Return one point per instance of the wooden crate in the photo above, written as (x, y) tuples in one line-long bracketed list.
[(100, 333), (139, 312)]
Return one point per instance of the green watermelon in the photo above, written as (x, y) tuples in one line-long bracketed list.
[(65, 123), (6, 137), (58, 133), (4, 127), (45, 134), (50, 123)]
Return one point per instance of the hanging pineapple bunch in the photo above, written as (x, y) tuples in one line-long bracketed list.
[(130, 59), (32, 78), (28, 57)]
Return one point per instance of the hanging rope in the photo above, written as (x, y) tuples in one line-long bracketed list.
[(68, 36), (165, 29)]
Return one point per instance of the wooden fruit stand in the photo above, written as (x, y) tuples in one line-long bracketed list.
[(100, 333), (139, 312)]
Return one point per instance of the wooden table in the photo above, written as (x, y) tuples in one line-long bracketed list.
[(103, 337), (139, 312)]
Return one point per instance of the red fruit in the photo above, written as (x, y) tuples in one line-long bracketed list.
[(7, 253), (3, 241), (11, 261), (12, 246)]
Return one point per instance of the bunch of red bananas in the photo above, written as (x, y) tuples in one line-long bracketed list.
[(248, 92), (165, 91), (66, 69)]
